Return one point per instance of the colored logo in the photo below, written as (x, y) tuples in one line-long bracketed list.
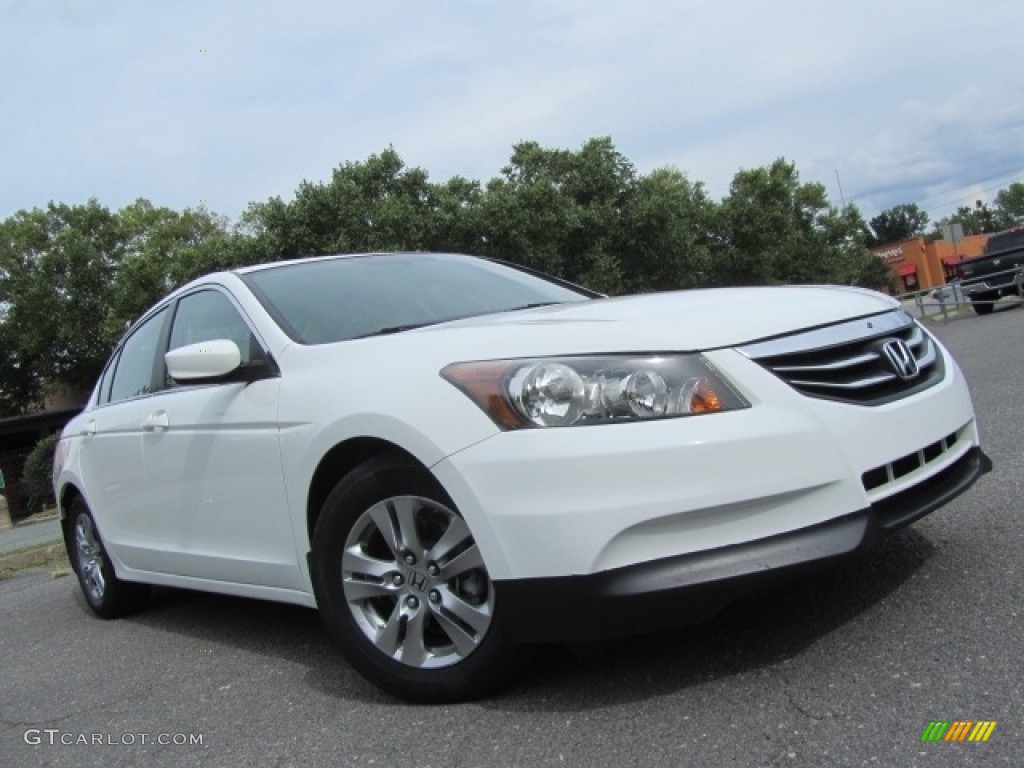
[(958, 730)]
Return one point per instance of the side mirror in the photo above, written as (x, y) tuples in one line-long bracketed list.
[(207, 360)]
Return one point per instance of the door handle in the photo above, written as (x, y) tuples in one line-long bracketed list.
[(90, 428), (156, 421)]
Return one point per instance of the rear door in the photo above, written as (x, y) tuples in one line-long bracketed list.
[(111, 448)]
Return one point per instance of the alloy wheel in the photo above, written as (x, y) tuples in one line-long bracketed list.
[(90, 558), (415, 582)]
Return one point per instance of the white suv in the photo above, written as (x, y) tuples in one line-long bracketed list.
[(450, 457)]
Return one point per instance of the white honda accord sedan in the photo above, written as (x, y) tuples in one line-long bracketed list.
[(451, 458)]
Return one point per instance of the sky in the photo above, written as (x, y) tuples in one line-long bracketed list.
[(219, 103)]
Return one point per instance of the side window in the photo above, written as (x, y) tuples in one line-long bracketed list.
[(103, 393), (133, 375), (208, 315)]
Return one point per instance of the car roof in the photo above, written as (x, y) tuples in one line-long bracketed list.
[(331, 257)]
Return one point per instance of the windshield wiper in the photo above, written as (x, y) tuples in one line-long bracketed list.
[(533, 306), (393, 329)]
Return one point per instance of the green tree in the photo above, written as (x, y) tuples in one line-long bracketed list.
[(901, 222), (162, 249), (56, 267), (377, 205), (73, 277), (525, 219), (772, 228), (36, 477), (1006, 211), (978, 220), (849, 262), (455, 222), (665, 234), (560, 211), (1009, 205)]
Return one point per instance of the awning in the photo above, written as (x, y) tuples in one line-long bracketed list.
[(908, 269)]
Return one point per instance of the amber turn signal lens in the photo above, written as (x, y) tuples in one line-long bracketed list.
[(704, 398), (481, 382)]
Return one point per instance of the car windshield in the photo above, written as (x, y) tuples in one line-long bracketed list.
[(1005, 241), (334, 299)]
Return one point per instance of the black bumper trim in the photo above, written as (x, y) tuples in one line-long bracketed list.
[(692, 588)]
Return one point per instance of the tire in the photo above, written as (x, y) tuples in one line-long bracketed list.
[(402, 587), (107, 595), (983, 309)]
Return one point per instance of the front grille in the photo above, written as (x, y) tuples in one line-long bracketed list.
[(870, 361)]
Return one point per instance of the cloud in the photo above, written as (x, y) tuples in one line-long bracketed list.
[(940, 153), (118, 100)]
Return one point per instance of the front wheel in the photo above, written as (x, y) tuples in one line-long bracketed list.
[(402, 586), (981, 308)]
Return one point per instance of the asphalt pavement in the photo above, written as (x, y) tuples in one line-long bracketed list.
[(846, 667)]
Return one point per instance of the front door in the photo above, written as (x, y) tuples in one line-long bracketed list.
[(213, 463)]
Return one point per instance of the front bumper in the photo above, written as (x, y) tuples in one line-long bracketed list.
[(579, 501), (689, 588), (1004, 284)]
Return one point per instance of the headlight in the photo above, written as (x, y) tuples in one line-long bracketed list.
[(567, 391)]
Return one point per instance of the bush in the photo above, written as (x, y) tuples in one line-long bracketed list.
[(37, 477)]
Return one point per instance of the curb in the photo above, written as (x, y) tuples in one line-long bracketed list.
[(5, 516), (35, 519)]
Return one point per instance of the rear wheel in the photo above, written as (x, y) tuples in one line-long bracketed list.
[(107, 595), (402, 586)]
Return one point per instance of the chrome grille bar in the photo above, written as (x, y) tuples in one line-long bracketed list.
[(845, 361)]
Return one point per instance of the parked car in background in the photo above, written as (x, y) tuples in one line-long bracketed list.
[(948, 293), (451, 457), (998, 272)]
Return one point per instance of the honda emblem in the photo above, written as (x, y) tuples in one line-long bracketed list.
[(900, 359)]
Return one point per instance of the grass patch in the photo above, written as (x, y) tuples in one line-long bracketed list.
[(28, 548), (51, 556)]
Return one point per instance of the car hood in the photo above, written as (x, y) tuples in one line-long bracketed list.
[(673, 321)]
